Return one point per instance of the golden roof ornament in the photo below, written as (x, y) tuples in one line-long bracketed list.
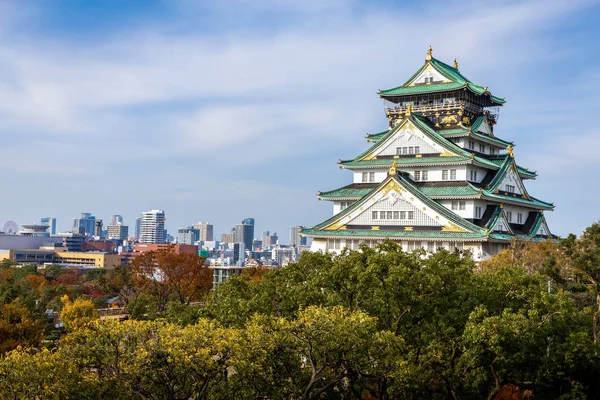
[(392, 171), (429, 54), (408, 109), (455, 64), (509, 149)]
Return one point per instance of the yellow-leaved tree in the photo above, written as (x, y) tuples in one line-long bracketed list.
[(77, 313)]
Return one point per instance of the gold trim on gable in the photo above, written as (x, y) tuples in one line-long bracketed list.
[(450, 227), (335, 226), (374, 228)]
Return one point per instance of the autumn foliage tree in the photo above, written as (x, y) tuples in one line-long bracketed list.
[(77, 313), (165, 274)]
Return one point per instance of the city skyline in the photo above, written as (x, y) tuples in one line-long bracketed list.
[(262, 109)]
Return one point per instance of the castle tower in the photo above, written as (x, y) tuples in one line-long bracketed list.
[(437, 177)]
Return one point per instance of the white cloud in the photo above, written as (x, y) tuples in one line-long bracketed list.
[(154, 93)]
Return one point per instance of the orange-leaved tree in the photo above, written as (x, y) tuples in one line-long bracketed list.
[(164, 273)]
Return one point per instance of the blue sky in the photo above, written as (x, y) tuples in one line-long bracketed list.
[(217, 111)]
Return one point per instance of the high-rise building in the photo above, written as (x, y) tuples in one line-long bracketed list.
[(295, 238), (266, 239), (117, 231), (244, 233), (187, 235), (205, 230), (152, 228), (138, 227), (283, 255), (51, 222), (274, 239), (116, 219), (438, 177), (228, 237), (98, 226), (85, 225)]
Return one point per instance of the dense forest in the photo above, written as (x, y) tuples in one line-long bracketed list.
[(370, 324)]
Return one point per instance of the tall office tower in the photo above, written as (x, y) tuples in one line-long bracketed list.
[(187, 235), (274, 239), (266, 239), (244, 232), (51, 222), (206, 231), (117, 231), (116, 219), (228, 237), (295, 238), (98, 228), (86, 224), (138, 227), (152, 227)]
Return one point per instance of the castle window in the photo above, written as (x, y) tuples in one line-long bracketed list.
[(431, 247), (411, 215), (417, 175), (402, 214), (344, 205), (471, 145), (454, 205), (477, 212), (405, 150), (424, 175), (474, 176), (452, 174), (396, 214), (374, 215), (461, 205), (398, 151), (365, 176), (510, 188), (381, 214), (410, 150), (371, 176), (509, 216), (482, 148), (519, 218), (444, 174), (417, 149)]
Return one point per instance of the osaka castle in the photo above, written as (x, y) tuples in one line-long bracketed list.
[(437, 177)]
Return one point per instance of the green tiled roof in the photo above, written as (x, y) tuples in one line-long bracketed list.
[(437, 191), (375, 137), (524, 172), (406, 161), (353, 192), (509, 237), (463, 132), (501, 174), (458, 81), (533, 202), (347, 191)]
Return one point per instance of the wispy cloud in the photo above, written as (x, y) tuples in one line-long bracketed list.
[(305, 91)]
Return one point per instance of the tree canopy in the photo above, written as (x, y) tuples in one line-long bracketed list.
[(371, 324)]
